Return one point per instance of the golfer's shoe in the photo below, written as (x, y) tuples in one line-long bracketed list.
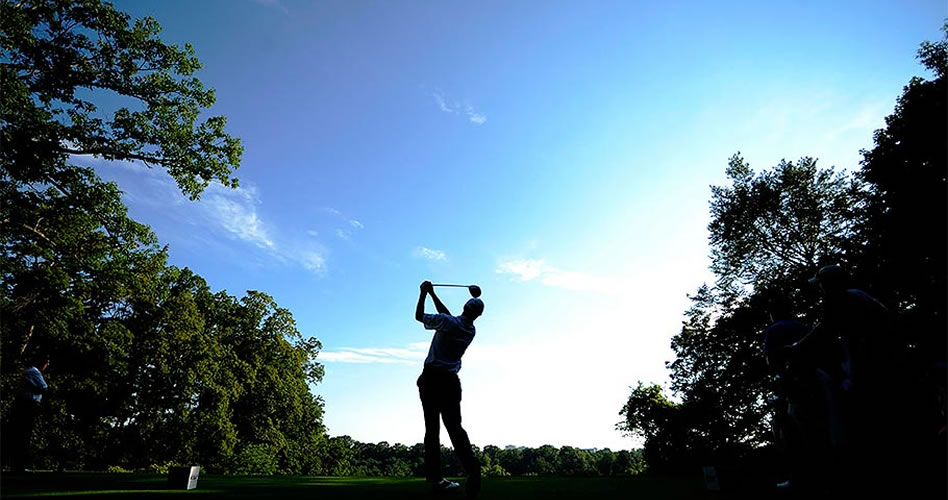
[(473, 485), (444, 485)]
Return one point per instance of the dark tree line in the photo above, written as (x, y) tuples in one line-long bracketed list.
[(770, 231), (347, 457)]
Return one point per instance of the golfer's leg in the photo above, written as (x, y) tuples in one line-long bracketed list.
[(432, 434), (451, 414)]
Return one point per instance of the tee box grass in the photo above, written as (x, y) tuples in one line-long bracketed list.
[(120, 486)]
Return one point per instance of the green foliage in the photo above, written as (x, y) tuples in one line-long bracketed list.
[(495, 470), (160, 468), (646, 411), (59, 59), (772, 230), (255, 459), (148, 366), (345, 457), (903, 240), (767, 225)]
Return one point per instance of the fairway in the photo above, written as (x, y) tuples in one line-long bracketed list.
[(152, 486)]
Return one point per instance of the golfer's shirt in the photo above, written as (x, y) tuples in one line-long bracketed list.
[(452, 336)]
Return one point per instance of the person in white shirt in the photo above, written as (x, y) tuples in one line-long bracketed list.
[(440, 387)]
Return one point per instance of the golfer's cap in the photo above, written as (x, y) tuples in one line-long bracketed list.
[(831, 274), (474, 305)]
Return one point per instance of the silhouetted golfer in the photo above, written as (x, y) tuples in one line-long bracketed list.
[(440, 387)]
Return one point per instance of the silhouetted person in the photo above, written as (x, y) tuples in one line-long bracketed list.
[(26, 412), (787, 429), (440, 387), (873, 424)]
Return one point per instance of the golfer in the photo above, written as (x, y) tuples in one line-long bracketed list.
[(440, 388)]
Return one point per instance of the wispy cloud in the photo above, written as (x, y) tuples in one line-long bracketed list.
[(475, 117), (221, 212), (352, 223), (460, 109), (428, 254), (235, 211), (442, 105), (313, 261), (538, 269), (412, 354)]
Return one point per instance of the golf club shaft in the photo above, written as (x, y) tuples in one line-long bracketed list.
[(442, 284)]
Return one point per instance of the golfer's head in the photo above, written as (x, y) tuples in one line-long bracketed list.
[(832, 279), (474, 308), (40, 360)]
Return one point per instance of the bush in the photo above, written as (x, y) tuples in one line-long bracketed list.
[(255, 459), (161, 468), (493, 471)]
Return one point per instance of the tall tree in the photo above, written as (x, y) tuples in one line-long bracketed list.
[(60, 224), (148, 364), (770, 231), (904, 240)]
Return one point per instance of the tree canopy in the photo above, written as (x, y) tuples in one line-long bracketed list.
[(149, 367), (770, 231)]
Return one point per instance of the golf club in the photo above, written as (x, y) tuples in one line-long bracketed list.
[(474, 289)]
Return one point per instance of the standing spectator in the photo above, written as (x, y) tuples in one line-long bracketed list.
[(26, 411)]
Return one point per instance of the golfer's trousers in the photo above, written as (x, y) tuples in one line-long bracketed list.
[(440, 393)]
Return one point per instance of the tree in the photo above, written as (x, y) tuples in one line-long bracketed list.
[(767, 226), (769, 232), (59, 57), (62, 227), (54, 48), (574, 462), (904, 241), (150, 366)]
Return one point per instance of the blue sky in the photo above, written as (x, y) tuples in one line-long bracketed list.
[(558, 154)]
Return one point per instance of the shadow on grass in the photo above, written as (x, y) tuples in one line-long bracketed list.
[(105, 486)]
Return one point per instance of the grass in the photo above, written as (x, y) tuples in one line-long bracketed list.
[(117, 486)]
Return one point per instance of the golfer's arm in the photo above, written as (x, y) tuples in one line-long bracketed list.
[(443, 309), (38, 385), (420, 308)]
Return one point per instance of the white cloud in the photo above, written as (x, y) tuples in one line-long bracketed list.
[(221, 211), (412, 354), (443, 106), (352, 222), (475, 117), (312, 261), (313, 233), (459, 108), (235, 212), (538, 269), (428, 254), (525, 269)]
